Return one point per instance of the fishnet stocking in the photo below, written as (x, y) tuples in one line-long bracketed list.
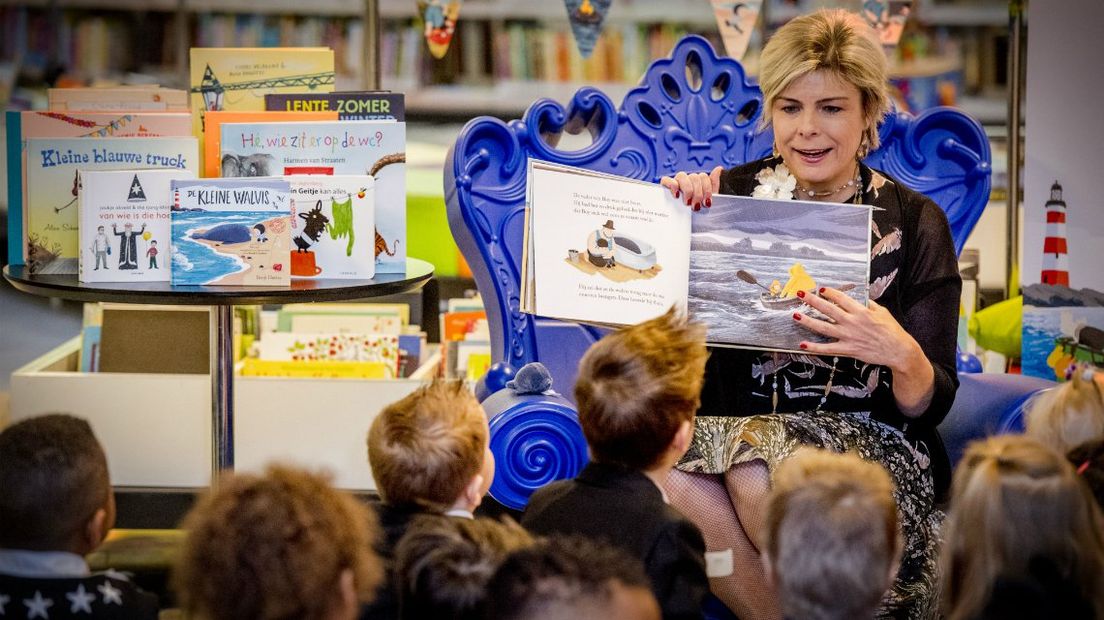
[(705, 500)]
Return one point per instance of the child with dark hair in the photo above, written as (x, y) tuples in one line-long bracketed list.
[(442, 564), (56, 506), (570, 578), (637, 391)]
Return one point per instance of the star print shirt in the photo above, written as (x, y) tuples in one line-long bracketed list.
[(106, 596)]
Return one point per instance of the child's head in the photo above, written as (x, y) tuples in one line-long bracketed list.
[(1088, 461), (832, 546), (570, 579), (443, 564), (1068, 415), (154, 242), (99, 229), (431, 449), (1013, 502), (280, 545), (638, 389), (55, 494)]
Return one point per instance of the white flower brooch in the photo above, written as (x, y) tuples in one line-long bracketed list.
[(777, 183)]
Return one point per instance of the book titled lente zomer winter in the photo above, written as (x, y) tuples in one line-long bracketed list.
[(231, 232), (614, 251), (124, 224)]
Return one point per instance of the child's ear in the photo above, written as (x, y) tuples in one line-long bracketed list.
[(346, 606), (473, 492), (683, 436), (95, 531)]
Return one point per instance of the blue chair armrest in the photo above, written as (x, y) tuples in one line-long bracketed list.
[(987, 404)]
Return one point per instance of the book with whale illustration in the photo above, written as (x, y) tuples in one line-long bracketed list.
[(234, 232), (610, 250)]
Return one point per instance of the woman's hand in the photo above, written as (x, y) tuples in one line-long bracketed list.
[(871, 334), (694, 188)]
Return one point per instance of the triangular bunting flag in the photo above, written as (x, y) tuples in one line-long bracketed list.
[(439, 18), (736, 20), (586, 18), (887, 18)]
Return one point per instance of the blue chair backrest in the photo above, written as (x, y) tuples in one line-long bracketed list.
[(691, 111)]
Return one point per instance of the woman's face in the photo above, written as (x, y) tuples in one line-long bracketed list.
[(818, 125)]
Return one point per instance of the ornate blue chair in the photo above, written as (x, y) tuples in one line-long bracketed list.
[(691, 111)]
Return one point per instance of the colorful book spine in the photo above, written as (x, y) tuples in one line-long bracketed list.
[(124, 224), (231, 232), (376, 148), (349, 106), (333, 226), (52, 183)]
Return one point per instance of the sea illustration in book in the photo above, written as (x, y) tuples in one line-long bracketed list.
[(231, 232), (750, 257)]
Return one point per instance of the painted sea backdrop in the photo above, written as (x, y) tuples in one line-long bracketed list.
[(766, 238)]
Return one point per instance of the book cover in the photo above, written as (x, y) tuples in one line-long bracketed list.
[(117, 99), (72, 125), (348, 347), (232, 232), (238, 78), (618, 251), (51, 189), (316, 369), (332, 226), (284, 315), (367, 105), (212, 134), (124, 224), (317, 323), (375, 148)]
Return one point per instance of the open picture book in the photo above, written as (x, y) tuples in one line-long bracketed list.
[(613, 251)]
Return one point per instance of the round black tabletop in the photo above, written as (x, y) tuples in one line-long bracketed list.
[(418, 272)]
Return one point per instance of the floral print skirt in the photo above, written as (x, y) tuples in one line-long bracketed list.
[(721, 442)]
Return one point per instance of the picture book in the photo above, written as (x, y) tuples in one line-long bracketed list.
[(367, 105), (284, 316), (314, 369), (617, 251), (212, 136), (52, 184), (124, 224), (349, 347), (72, 125), (232, 232), (332, 226), (375, 148), (117, 99), (318, 323), (238, 78)]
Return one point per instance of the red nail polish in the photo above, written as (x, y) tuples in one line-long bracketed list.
[(797, 316), (822, 291), (803, 346), (801, 294), (709, 202), (697, 207), (678, 193)]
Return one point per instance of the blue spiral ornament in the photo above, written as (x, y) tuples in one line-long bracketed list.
[(535, 439)]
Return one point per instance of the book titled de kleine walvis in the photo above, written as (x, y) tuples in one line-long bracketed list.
[(124, 224), (374, 148), (231, 232), (53, 167), (615, 251)]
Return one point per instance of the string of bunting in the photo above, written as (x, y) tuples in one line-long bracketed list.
[(439, 19), (99, 131), (736, 21), (587, 17)]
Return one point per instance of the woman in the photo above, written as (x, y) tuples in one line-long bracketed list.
[(1022, 538), (888, 375)]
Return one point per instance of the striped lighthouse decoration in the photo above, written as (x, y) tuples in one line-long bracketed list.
[(1055, 259)]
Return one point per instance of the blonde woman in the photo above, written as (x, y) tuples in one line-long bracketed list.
[(887, 377), (1023, 536)]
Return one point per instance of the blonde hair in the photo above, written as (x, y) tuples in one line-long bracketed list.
[(274, 546), (831, 534), (1014, 500), (1067, 416), (636, 387), (425, 448), (832, 40)]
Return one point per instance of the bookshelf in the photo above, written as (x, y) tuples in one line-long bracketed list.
[(506, 53)]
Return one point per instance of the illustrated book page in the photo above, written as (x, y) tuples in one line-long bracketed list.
[(332, 226)]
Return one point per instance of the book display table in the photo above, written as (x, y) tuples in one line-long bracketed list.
[(221, 299)]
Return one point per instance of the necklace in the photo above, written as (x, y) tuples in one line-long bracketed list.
[(774, 383), (812, 193)]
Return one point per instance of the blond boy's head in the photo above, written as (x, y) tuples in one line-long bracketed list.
[(430, 449), (832, 546), (638, 387)]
